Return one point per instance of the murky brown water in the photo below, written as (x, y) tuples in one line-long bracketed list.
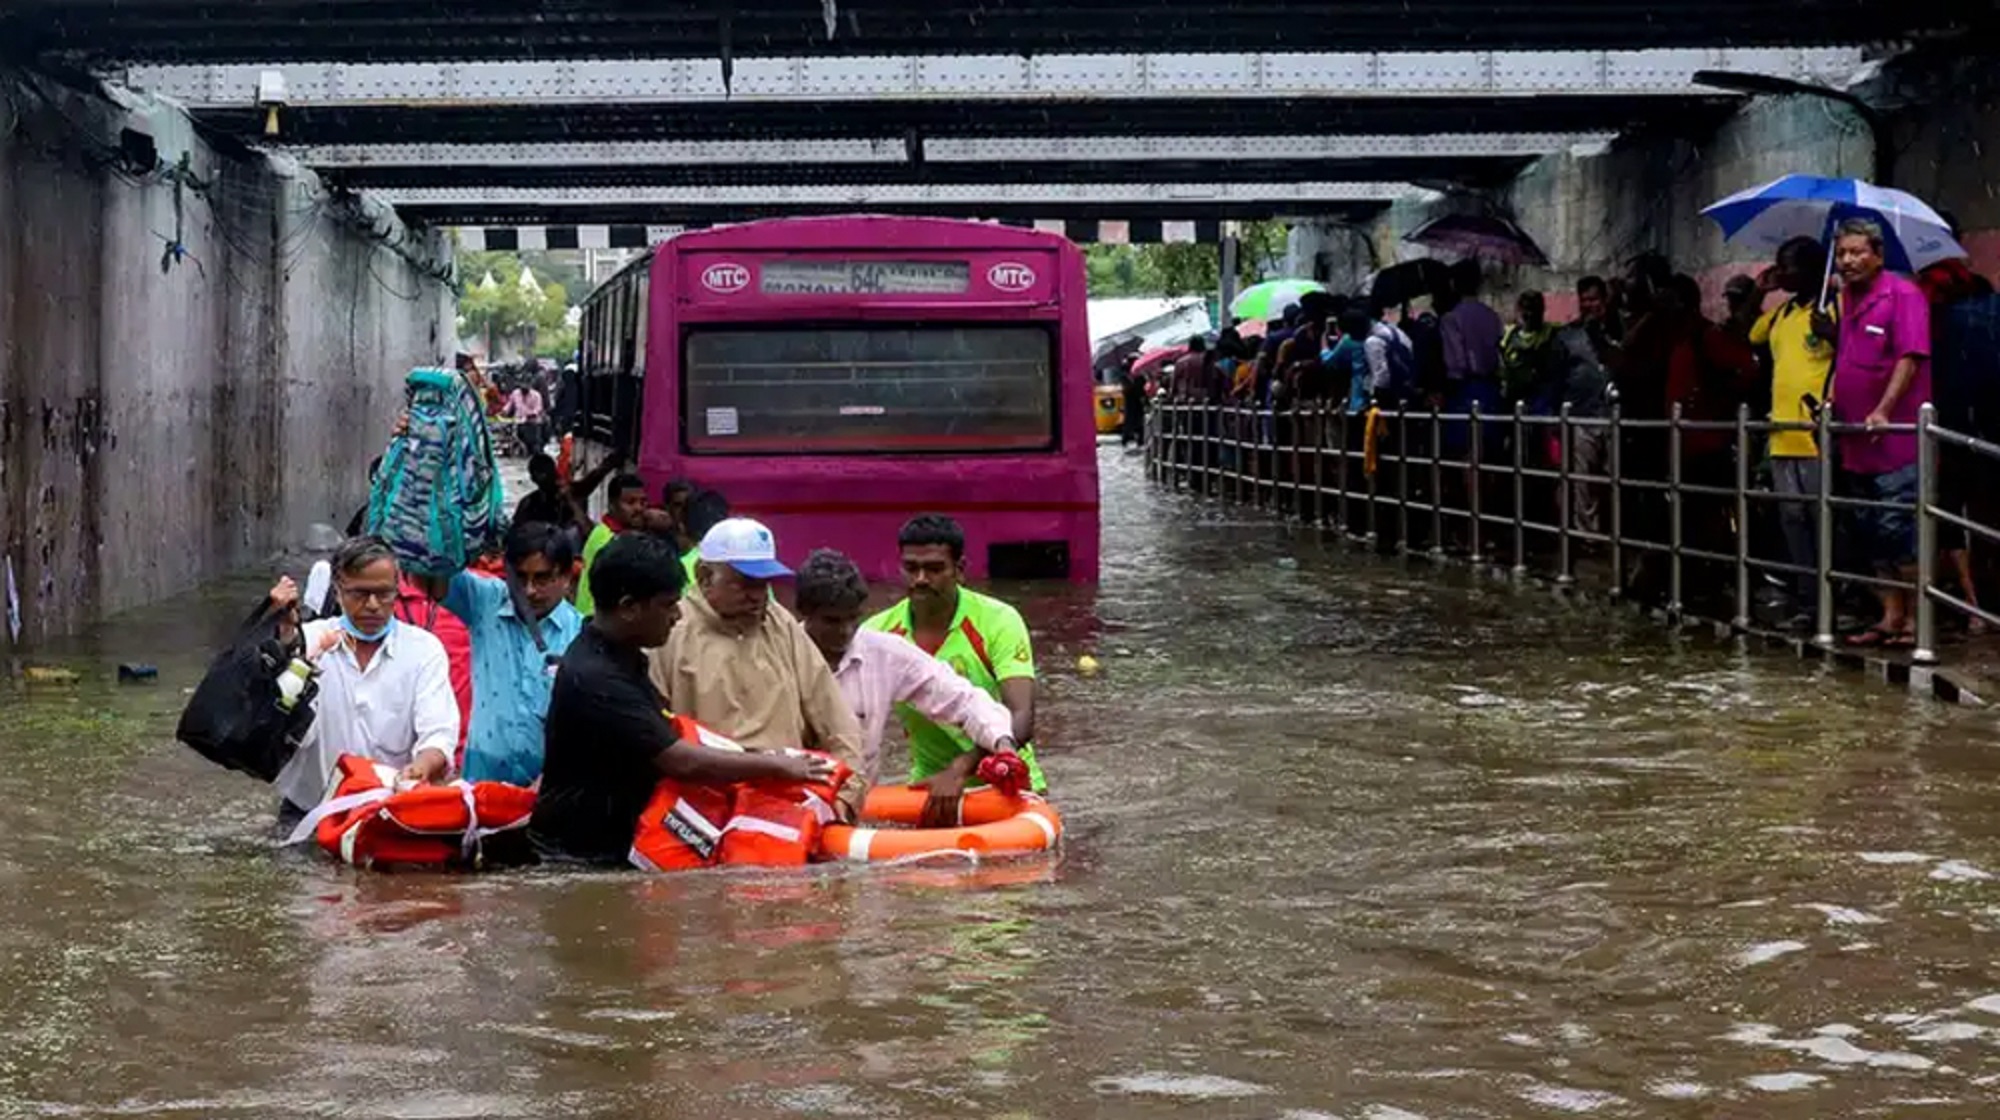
[(1345, 841)]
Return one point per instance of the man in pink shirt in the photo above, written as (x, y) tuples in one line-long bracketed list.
[(1881, 376), (877, 671), (526, 406)]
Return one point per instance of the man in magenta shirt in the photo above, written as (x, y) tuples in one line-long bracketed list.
[(1881, 376)]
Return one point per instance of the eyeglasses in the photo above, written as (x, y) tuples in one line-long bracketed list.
[(541, 579), (382, 596)]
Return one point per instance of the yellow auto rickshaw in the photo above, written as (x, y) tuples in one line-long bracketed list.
[(1110, 409)]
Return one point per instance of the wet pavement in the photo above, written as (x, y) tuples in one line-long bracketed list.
[(1346, 839)]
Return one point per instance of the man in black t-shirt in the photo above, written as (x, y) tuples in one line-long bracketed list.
[(565, 507), (607, 742)]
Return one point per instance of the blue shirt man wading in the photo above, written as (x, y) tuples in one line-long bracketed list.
[(511, 671)]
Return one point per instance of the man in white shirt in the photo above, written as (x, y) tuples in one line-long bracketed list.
[(384, 688), (877, 670)]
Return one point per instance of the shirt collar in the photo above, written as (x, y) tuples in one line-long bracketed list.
[(905, 621), (390, 642), (554, 617), (1876, 290)]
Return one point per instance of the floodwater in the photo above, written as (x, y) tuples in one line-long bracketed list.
[(1346, 839)]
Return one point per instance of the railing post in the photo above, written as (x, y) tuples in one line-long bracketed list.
[(1253, 473), (1676, 523), (1267, 458), (1145, 451), (1614, 504), (1178, 452), (1437, 484), (1319, 464), (1209, 423), (1243, 455), (1824, 618), (1477, 483), (1520, 496), (1373, 478), (1403, 480), (1565, 570), (1298, 509), (1742, 517), (1340, 420), (1925, 652)]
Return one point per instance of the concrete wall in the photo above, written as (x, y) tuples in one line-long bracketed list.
[(1590, 211), (163, 423)]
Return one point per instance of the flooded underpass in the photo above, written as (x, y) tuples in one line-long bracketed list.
[(1346, 839)]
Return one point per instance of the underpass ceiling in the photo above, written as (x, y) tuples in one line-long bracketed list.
[(264, 31), (1471, 118)]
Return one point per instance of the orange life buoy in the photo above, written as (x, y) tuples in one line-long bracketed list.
[(750, 824), (990, 824), (367, 822)]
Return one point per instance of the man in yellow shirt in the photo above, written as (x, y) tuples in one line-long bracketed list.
[(1800, 364)]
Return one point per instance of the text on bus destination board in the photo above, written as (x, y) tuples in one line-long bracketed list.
[(865, 278)]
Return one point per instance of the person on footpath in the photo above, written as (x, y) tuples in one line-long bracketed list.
[(1965, 390), (741, 664), (514, 657), (526, 406), (1881, 376), (1528, 359), (566, 507), (980, 637), (384, 688), (1801, 362), (877, 671), (627, 497), (1586, 352), (607, 743)]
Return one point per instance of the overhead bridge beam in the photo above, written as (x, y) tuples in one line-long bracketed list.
[(969, 195), (1053, 149), (1052, 77), (1082, 202)]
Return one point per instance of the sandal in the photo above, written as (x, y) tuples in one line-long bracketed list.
[(1869, 638), (1900, 639)]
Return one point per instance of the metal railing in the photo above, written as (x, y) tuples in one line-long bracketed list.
[(1633, 492)]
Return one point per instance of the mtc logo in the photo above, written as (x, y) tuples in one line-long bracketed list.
[(1010, 276), (725, 279)]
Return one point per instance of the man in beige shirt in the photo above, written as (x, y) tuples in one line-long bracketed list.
[(743, 665)]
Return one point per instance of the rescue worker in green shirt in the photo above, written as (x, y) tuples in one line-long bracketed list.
[(981, 638), (627, 496), (705, 510)]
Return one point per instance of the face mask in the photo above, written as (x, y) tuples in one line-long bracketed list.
[(356, 633)]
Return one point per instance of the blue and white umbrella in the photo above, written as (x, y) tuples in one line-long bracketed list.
[(1914, 235)]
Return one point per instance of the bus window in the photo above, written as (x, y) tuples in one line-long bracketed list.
[(938, 387)]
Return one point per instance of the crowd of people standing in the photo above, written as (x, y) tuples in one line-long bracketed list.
[(1800, 335)]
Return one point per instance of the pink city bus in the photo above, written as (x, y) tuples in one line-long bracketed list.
[(833, 377)]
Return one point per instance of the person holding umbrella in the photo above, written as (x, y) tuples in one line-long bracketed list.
[(1881, 377)]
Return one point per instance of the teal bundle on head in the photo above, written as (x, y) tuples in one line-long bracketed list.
[(437, 499)]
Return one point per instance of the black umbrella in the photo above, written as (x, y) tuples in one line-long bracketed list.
[(1399, 284)]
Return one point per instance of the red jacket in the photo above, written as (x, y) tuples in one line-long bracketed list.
[(417, 609)]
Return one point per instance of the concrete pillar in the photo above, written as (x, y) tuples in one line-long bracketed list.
[(1229, 250)]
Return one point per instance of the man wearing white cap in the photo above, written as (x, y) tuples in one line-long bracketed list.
[(740, 663)]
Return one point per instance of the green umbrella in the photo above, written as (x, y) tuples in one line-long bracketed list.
[(1268, 300)]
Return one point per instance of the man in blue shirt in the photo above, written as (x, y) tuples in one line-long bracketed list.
[(514, 658)]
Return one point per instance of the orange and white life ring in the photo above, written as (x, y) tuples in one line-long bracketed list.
[(990, 824)]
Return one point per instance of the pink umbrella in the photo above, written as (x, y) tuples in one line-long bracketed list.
[(1485, 237), (1153, 361)]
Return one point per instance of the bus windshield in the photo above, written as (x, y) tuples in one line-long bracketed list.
[(782, 389)]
